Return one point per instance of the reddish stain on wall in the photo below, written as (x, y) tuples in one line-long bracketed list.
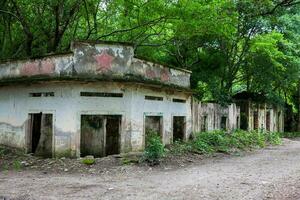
[(150, 73), (30, 68), (47, 67), (37, 68), (164, 75), (104, 61)]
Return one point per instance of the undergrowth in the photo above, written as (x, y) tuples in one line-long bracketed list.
[(220, 141), (290, 134), (154, 149)]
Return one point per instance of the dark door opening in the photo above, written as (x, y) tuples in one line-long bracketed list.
[(223, 123), (244, 121), (204, 123), (153, 125), (279, 121), (92, 135), (255, 120), (100, 135), (268, 119), (112, 135), (178, 128), (40, 134)]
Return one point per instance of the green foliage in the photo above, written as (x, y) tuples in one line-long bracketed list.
[(202, 147), (216, 140), (274, 138), (230, 46), (290, 134), (220, 141), (180, 147), (88, 161), (17, 165), (154, 150)]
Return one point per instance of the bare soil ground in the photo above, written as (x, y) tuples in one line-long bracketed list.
[(270, 173)]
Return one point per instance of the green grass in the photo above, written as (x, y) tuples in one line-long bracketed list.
[(220, 141), (88, 161)]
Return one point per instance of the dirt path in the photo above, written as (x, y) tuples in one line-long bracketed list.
[(272, 173)]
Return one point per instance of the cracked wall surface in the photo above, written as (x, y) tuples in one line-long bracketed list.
[(213, 113), (91, 61)]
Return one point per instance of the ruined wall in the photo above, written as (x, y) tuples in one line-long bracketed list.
[(94, 62), (67, 106), (276, 117), (212, 113)]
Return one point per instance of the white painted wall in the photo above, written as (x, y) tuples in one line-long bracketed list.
[(67, 106)]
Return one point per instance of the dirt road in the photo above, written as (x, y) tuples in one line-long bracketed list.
[(271, 173)]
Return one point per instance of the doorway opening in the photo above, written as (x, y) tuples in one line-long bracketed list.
[(100, 135), (204, 124), (255, 120), (113, 124), (153, 125), (178, 128), (40, 134), (223, 123), (268, 120)]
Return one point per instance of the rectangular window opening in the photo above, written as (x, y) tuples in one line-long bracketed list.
[(41, 94), (100, 94), (154, 98), (179, 100)]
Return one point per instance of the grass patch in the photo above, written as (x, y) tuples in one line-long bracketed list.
[(220, 141), (17, 165), (88, 160)]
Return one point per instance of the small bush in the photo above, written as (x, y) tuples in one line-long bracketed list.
[(154, 150), (88, 160), (213, 141), (17, 165), (274, 138), (202, 147), (180, 147)]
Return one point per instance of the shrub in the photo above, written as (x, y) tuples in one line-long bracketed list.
[(154, 150), (180, 147), (273, 138), (88, 160), (215, 140), (17, 165), (200, 146)]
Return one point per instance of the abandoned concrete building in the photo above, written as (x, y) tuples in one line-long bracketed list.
[(97, 100), (209, 116), (256, 113)]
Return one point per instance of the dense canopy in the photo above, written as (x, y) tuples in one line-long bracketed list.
[(231, 46)]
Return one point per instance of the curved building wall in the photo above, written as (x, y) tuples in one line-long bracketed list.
[(67, 106)]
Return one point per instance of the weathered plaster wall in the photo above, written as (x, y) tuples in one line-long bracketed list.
[(214, 112), (67, 106), (93, 62), (276, 119)]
